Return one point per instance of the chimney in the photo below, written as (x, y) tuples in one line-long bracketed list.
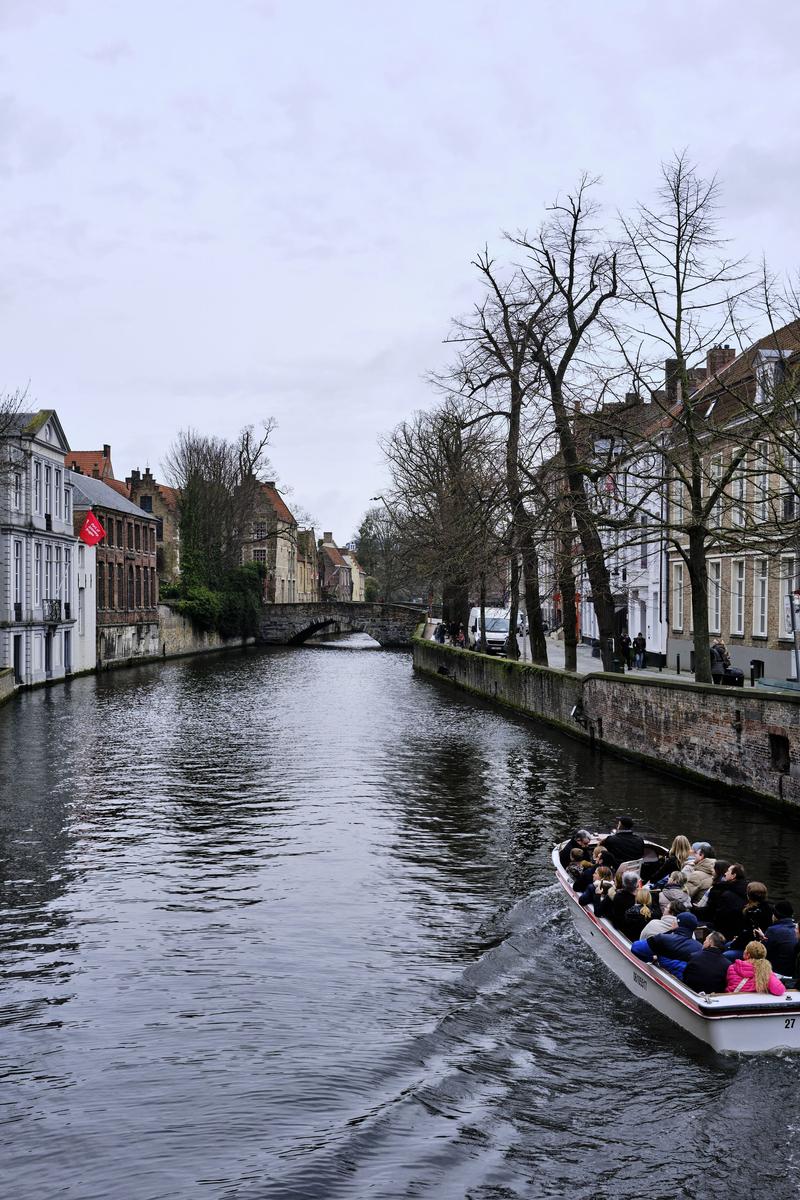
[(328, 538), (95, 473), (671, 379), (718, 358), (270, 483), (106, 451), (633, 398)]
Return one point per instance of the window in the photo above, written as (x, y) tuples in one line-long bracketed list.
[(110, 583), (760, 596), (131, 592), (59, 576), (109, 527), (714, 477), (153, 587), (146, 503), (37, 573), (677, 596), (17, 572), (789, 583), (152, 539), (58, 492), (737, 596), (146, 588), (48, 489), (138, 585), (101, 591), (68, 575), (68, 504), (643, 544), (738, 494), (714, 595), (48, 572), (760, 482), (120, 542), (37, 486), (790, 490), (260, 556), (678, 515), (120, 589), (259, 530), (17, 490), (130, 535), (81, 557), (137, 529)]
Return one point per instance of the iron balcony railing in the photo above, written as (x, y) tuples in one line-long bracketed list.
[(52, 611)]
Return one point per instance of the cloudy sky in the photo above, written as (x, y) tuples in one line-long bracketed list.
[(215, 212)]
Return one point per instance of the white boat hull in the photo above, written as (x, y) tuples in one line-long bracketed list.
[(744, 1023)]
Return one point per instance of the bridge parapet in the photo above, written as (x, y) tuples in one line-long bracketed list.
[(391, 625)]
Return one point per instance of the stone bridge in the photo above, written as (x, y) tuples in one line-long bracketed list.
[(292, 624)]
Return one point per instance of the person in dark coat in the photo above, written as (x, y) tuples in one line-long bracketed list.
[(626, 646), (673, 949), (579, 840), (757, 916), (781, 940), (726, 899), (639, 650), (623, 844), (624, 897), (598, 889), (708, 971), (600, 858)]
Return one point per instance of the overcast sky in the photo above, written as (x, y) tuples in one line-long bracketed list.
[(215, 211)]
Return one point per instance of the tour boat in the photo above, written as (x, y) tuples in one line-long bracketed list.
[(746, 1023)]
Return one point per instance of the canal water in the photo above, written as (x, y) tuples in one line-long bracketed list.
[(282, 924)]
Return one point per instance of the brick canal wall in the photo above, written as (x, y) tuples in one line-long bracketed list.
[(745, 740)]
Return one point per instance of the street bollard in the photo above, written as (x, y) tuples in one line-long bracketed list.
[(677, 664)]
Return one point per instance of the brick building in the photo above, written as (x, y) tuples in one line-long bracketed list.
[(273, 542), (127, 581), (307, 567), (162, 502), (335, 575)]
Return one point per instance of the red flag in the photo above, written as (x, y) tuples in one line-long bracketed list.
[(91, 530)]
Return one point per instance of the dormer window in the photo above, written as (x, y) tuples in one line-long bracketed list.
[(770, 369)]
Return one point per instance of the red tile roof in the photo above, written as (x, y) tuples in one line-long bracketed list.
[(169, 496), (333, 554), (89, 461), (118, 486), (277, 503)]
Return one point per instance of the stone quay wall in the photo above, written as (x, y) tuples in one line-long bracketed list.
[(7, 686), (742, 740), (179, 636)]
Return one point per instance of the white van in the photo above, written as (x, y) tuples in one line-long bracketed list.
[(496, 629)]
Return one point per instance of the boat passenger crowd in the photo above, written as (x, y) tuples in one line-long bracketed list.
[(696, 915)]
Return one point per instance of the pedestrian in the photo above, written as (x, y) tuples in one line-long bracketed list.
[(639, 650), (626, 646), (461, 638), (720, 660)]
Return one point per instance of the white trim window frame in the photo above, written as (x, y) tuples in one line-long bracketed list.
[(738, 493), (17, 491), (761, 482), (738, 590), (760, 597), (37, 486), (18, 569), (37, 574), (789, 582), (677, 597), (715, 595), (714, 476), (58, 493)]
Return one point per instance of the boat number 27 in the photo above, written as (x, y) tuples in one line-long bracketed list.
[(788, 1022)]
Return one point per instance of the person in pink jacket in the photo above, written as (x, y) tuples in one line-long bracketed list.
[(754, 973)]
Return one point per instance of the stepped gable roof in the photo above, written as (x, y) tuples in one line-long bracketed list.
[(277, 503), (89, 461), (93, 493)]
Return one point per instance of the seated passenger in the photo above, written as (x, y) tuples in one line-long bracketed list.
[(618, 900), (673, 949), (700, 876), (578, 841), (675, 892), (652, 867), (708, 972), (754, 973), (598, 889), (679, 853), (665, 924), (781, 940), (757, 916), (726, 899), (638, 915), (600, 858), (578, 863), (623, 844)]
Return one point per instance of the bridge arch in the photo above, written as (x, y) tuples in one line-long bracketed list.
[(292, 624)]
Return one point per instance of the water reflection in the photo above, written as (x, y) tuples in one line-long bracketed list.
[(282, 924)]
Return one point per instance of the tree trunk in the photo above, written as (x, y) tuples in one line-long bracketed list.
[(533, 605), (455, 602), (698, 578), (483, 613), (569, 613), (513, 611)]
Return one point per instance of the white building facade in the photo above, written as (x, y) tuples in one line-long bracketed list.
[(38, 552)]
